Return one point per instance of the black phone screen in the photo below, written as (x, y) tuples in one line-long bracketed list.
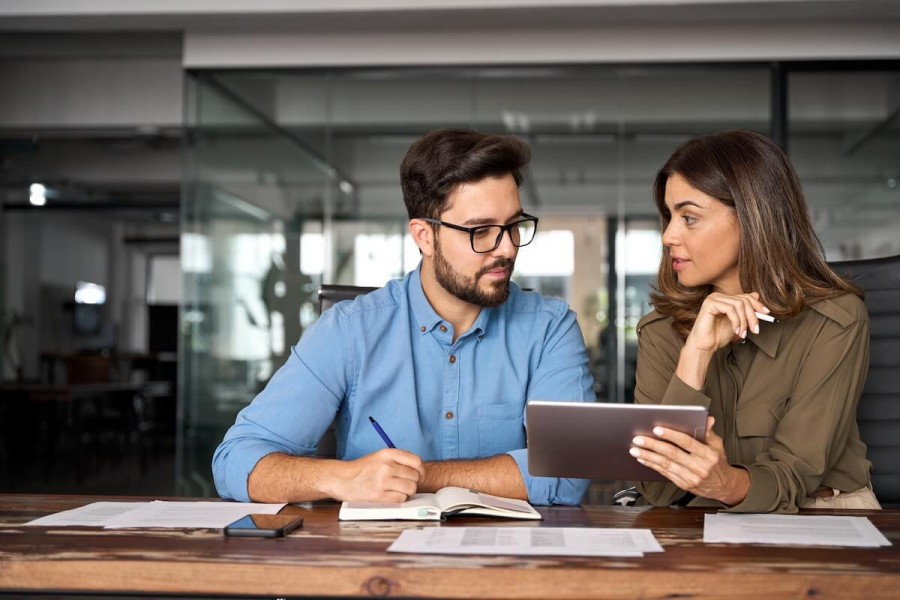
[(264, 526)]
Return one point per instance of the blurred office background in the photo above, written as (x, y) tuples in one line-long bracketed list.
[(177, 180)]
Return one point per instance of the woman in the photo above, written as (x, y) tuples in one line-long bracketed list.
[(782, 395)]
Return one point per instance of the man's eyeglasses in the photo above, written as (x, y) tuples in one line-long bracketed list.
[(486, 238)]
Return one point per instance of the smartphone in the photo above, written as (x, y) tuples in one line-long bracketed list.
[(264, 526)]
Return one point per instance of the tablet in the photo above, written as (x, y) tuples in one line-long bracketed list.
[(591, 440)]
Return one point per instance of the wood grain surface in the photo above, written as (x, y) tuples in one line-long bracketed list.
[(331, 558)]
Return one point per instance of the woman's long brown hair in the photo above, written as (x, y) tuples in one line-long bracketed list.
[(780, 256)]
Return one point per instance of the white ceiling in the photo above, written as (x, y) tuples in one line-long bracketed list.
[(395, 15)]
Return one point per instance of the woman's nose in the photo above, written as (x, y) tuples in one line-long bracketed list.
[(670, 235)]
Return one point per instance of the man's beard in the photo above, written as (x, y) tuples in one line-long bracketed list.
[(467, 289)]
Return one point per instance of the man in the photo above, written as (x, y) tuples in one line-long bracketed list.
[(444, 359)]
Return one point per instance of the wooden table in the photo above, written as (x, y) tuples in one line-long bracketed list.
[(330, 558)]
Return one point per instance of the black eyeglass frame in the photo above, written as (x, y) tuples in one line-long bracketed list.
[(503, 229)]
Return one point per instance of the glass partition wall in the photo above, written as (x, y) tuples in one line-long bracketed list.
[(249, 286), (293, 181), (844, 140)]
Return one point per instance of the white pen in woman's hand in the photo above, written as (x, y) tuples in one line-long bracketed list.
[(765, 317)]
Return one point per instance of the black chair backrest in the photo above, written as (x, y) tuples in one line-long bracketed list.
[(328, 296), (879, 407)]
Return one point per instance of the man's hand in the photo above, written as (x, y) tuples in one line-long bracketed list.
[(388, 475), (696, 467)]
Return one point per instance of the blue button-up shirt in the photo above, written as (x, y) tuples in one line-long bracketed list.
[(389, 355)]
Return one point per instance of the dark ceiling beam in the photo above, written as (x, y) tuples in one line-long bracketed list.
[(60, 205), (147, 240)]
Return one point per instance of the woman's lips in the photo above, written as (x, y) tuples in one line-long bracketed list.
[(679, 263)]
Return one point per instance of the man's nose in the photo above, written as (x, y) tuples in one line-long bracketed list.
[(506, 246)]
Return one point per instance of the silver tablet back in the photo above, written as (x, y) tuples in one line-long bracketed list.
[(591, 440)]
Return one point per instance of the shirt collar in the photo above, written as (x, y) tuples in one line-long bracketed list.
[(481, 323), (768, 338), (427, 319)]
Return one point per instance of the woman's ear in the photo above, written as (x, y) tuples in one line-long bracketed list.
[(423, 235)]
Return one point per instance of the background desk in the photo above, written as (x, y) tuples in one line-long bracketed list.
[(44, 424), (327, 557)]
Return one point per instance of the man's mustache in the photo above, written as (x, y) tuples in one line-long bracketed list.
[(500, 263)]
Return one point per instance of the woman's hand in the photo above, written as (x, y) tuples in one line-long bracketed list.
[(696, 467), (724, 319)]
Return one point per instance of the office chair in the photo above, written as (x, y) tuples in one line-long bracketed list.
[(879, 407), (329, 295), (878, 414)]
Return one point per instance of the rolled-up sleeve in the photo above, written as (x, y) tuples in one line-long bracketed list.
[(562, 374), (290, 415), (549, 490)]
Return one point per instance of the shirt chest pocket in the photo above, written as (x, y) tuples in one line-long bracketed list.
[(756, 424), (755, 427), (501, 428)]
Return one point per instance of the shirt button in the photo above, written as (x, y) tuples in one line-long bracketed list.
[(443, 329), (422, 329), (452, 358), (449, 416)]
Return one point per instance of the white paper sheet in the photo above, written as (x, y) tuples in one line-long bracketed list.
[(804, 530), (91, 515), (527, 541), (189, 514), (155, 514)]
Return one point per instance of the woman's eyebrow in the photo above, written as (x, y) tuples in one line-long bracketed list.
[(681, 205)]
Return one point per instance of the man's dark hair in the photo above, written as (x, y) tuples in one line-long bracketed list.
[(445, 158)]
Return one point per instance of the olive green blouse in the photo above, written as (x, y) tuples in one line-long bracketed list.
[(784, 401)]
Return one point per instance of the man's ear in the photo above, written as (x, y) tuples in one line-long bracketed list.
[(423, 235)]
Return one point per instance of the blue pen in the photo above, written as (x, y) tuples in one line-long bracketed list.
[(381, 432)]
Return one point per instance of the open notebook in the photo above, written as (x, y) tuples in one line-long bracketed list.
[(445, 502)]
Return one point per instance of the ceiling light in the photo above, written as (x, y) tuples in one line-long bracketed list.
[(38, 194), (89, 293)]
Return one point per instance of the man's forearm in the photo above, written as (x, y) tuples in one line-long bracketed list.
[(283, 478), (389, 475), (498, 475)]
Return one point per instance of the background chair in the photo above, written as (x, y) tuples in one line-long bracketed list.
[(879, 406), (329, 295), (878, 414)]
